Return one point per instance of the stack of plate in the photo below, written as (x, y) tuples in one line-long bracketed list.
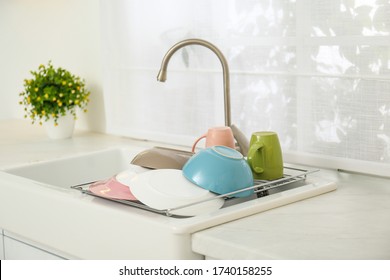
[(117, 187), (161, 189)]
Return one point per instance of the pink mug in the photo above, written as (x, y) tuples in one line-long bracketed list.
[(222, 136)]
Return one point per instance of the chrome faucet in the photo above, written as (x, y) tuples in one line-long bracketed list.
[(162, 74)]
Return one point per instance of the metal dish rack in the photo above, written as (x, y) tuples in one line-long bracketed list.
[(293, 177)]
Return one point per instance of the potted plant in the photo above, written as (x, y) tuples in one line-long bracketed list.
[(52, 97)]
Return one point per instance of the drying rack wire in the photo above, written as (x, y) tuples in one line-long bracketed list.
[(261, 188)]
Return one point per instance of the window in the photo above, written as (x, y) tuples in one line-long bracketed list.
[(316, 72)]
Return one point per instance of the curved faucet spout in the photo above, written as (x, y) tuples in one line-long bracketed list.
[(162, 74)]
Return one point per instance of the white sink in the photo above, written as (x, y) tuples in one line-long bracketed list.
[(79, 169), (171, 235)]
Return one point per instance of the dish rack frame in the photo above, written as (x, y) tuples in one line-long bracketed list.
[(261, 188)]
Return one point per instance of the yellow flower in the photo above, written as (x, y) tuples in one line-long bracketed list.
[(59, 103), (54, 99), (70, 84), (46, 96), (63, 83), (28, 100), (36, 89), (77, 101), (61, 94), (73, 91), (38, 98), (43, 112)]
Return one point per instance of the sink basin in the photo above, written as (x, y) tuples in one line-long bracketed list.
[(76, 170), (115, 221)]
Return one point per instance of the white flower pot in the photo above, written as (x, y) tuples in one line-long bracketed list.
[(63, 130)]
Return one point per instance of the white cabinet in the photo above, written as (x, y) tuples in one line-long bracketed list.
[(16, 249), (1, 245)]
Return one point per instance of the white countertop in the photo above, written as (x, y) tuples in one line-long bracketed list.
[(21, 143), (352, 222)]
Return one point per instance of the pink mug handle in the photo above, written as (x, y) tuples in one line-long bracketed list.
[(197, 140)]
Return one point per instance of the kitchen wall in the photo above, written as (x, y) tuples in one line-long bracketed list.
[(64, 31), (317, 72), (314, 71)]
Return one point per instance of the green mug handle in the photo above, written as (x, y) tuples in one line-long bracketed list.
[(254, 150)]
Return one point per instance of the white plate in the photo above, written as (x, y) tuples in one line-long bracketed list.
[(167, 188), (127, 175)]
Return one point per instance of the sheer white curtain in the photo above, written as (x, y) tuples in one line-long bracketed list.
[(316, 72)]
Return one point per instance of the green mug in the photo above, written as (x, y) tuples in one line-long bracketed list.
[(265, 156)]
